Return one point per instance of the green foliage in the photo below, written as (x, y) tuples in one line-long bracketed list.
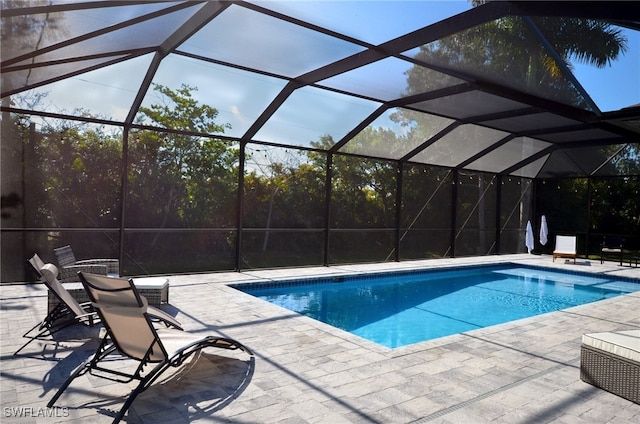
[(609, 207), (74, 175), (285, 196), (176, 179), (614, 206), (189, 180), (180, 111), (509, 49), (364, 185)]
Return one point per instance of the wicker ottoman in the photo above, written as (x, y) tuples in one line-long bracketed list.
[(155, 289), (611, 361)]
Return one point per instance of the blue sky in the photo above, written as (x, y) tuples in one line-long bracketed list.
[(611, 88), (618, 86), (242, 96)]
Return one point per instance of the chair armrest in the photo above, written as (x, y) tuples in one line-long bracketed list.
[(90, 318), (612, 244), (113, 265), (159, 315), (69, 274)]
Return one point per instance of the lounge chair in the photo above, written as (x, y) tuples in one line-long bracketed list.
[(611, 247), (565, 248), (36, 264), (69, 311), (67, 264), (131, 336)]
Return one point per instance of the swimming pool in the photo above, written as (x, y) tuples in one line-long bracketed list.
[(398, 309)]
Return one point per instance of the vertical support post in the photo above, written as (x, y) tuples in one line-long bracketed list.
[(537, 216), (454, 212), (23, 179), (124, 188), (327, 207), (399, 179), (239, 204), (589, 201), (498, 212), (23, 186)]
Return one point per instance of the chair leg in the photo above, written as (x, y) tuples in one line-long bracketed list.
[(32, 338), (83, 368), (141, 387), (152, 375), (45, 327), (176, 361), (103, 350)]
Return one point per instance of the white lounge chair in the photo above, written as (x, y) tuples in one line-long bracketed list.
[(565, 248)]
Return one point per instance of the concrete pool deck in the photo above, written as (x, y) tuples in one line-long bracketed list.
[(526, 371)]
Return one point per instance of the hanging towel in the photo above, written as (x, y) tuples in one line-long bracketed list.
[(529, 237), (544, 231)]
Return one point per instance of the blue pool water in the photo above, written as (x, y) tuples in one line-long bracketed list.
[(400, 309)]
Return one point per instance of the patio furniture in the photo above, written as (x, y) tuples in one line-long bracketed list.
[(565, 248), (68, 310), (130, 336), (67, 260), (611, 247), (70, 272), (611, 361), (58, 295), (153, 286), (36, 263), (155, 289)]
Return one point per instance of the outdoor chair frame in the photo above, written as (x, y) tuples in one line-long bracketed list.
[(130, 334), (612, 247), (68, 311), (565, 248), (68, 264)]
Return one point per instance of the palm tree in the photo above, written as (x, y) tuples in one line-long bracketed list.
[(531, 54)]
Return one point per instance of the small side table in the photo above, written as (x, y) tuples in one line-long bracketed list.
[(155, 289)]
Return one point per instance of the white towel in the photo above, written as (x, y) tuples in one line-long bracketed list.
[(529, 238), (544, 231)]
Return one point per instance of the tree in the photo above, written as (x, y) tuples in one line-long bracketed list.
[(181, 179), (73, 175), (363, 185), (510, 49), (177, 179), (284, 200)]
